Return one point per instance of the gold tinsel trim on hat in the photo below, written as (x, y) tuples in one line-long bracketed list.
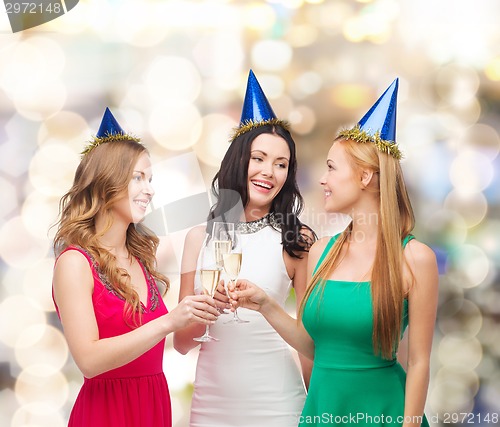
[(358, 135), (250, 124), (96, 141)]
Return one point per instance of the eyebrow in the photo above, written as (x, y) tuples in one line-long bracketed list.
[(141, 172), (265, 154)]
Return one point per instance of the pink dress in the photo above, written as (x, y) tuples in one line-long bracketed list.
[(133, 395)]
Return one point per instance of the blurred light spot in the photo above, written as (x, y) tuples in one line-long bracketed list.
[(183, 374), (493, 306), (214, 140), (457, 85), (52, 169), (178, 411), (302, 35), (471, 206), (66, 127), (16, 314), (273, 86), (219, 55), (373, 23), (460, 316), (138, 25), (492, 69), (453, 392), (486, 237), (487, 367), (306, 84), (302, 120), (31, 64), (446, 228), (45, 416), (419, 149), (182, 170), (41, 344), (39, 213), (290, 4), (37, 283), (258, 16), (172, 79), (271, 55), (351, 96), (18, 247), (9, 198), (460, 354), (470, 263), (175, 126), (39, 384), (471, 171), (483, 138), (330, 16)]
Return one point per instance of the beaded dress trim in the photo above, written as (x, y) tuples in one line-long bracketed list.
[(257, 225), (153, 292)]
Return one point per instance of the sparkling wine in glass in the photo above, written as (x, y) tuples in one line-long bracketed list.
[(232, 267), (222, 238), (209, 277)]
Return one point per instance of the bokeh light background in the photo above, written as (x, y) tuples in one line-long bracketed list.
[(174, 72)]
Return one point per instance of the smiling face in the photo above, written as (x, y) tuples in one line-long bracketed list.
[(132, 207), (341, 182), (267, 172)]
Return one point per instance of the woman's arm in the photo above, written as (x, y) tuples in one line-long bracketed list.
[(249, 295), (73, 286), (298, 269), (422, 299)]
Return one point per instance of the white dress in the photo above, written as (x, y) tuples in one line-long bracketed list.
[(249, 378)]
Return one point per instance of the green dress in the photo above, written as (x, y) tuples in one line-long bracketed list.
[(349, 383)]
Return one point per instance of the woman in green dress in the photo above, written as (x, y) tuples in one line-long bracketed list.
[(368, 284)]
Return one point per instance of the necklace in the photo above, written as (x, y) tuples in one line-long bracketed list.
[(258, 224)]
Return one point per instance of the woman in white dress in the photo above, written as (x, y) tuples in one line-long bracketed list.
[(249, 377)]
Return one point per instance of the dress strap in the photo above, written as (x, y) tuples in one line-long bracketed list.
[(328, 246), (407, 239)]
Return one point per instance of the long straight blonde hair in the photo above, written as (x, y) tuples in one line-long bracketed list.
[(101, 179), (395, 222)]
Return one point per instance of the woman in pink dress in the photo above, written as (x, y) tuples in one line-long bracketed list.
[(105, 287)]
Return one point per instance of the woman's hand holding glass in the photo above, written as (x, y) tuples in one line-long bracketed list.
[(246, 294), (209, 275)]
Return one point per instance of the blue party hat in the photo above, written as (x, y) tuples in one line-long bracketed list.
[(256, 109), (109, 130), (109, 125), (378, 125)]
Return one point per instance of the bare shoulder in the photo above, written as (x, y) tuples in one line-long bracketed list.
[(72, 261), (72, 274), (422, 263), (318, 247), (419, 255), (195, 236)]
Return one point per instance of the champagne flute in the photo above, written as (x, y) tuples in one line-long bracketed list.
[(222, 237), (232, 267), (209, 278)]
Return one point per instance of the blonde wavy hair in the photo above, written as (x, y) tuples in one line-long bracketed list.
[(101, 179), (396, 220)]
